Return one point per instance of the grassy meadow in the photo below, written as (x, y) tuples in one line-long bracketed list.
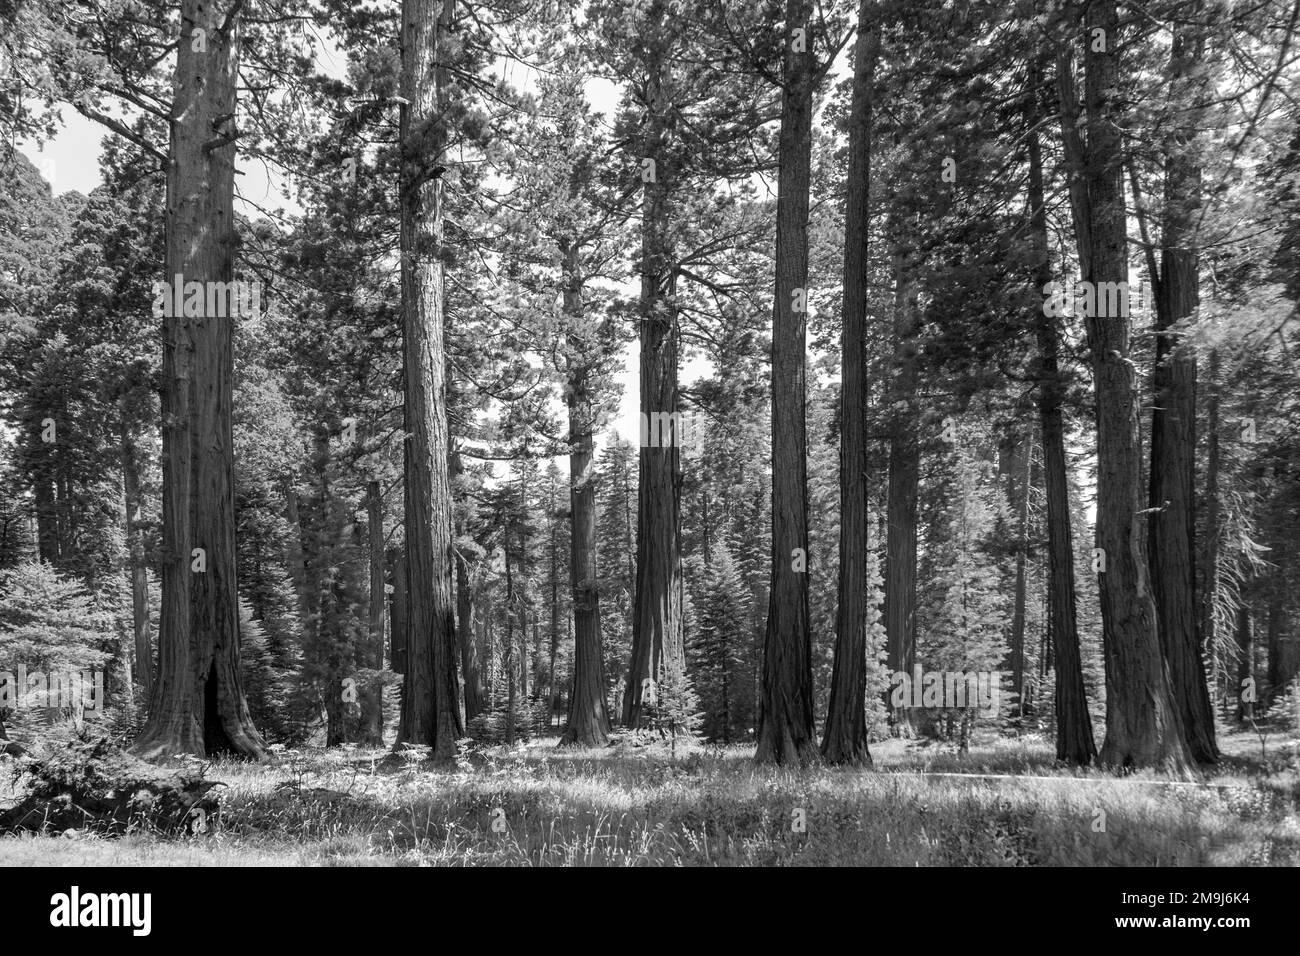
[(1005, 803)]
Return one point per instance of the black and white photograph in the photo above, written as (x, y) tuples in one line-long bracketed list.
[(651, 433)]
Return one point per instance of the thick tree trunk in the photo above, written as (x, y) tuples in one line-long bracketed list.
[(430, 711), (901, 499), (198, 704), (372, 697), (588, 723), (1172, 529), (845, 740), (657, 623), (1074, 740), (1143, 726), (138, 567), (785, 722)]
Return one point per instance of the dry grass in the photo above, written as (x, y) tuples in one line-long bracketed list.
[(922, 806)]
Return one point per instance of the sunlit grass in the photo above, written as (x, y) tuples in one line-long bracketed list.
[(713, 806)]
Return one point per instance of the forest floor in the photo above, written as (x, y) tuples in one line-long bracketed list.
[(1006, 803)]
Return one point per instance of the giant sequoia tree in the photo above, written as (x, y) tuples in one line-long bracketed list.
[(657, 635), (430, 714), (588, 722), (198, 701), (785, 726), (1172, 490), (846, 719), (1074, 738), (1143, 726)]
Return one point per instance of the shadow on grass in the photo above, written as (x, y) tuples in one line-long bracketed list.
[(1008, 803)]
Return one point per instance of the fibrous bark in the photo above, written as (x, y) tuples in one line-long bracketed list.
[(657, 622), (1143, 726), (198, 704), (588, 723), (845, 740), (430, 710), (1172, 529), (1074, 739), (785, 722)]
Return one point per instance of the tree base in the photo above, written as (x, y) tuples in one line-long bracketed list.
[(844, 756), (778, 746), (1171, 758), (584, 735), (582, 742), (169, 741)]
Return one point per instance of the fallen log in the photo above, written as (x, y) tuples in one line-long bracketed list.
[(101, 788)]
